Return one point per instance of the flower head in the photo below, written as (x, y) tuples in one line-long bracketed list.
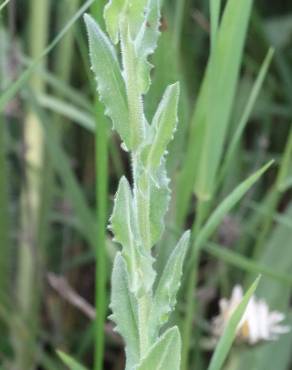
[(258, 322)]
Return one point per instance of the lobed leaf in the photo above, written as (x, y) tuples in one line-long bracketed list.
[(163, 125), (123, 223), (164, 299), (110, 83), (165, 353), (146, 41), (153, 190), (124, 308), (115, 10)]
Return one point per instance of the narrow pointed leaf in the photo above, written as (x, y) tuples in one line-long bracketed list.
[(124, 226), (165, 295), (246, 113), (164, 125), (284, 178), (124, 308), (213, 108), (229, 333), (146, 41), (165, 353), (215, 7), (222, 76), (122, 222), (227, 204), (70, 362), (110, 83)]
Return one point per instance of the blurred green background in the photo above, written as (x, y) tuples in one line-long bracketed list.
[(60, 164)]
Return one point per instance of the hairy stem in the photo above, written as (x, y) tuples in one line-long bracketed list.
[(143, 311)]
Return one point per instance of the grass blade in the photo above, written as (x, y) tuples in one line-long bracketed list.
[(101, 165), (2, 6), (246, 264), (229, 333), (13, 89), (70, 362), (215, 7), (213, 108), (246, 114), (64, 171), (68, 110), (202, 236), (228, 203)]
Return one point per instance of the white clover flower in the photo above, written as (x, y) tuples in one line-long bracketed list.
[(258, 322)]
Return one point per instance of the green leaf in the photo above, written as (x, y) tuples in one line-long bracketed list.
[(285, 173), (123, 223), (247, 264), (215, 7), (246, 113), (229, 333), (163, 125), (164, 299), (124, 308), (70, 362), (277, 254), (218, 94), (62, 166), (14, 87), (2, 6), (164, 354), (227, 204), (70, 111), (109, 79), (210, 122), (146, 41), (115, 10)]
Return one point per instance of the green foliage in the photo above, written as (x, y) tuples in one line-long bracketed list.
[(125, 310), (211, 117), (231, 200), (109, 79), (165, 353), (163, 126), (165, 294), (70, 362), (138, 215), (241, 228)]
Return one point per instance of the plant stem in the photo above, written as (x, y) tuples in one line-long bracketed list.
[(141, 183), (191, 306), (143, 310), (5, 262), (31, 201), (202, 209), (135, 103), (178, 22), (274, 198), (101, 163)]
